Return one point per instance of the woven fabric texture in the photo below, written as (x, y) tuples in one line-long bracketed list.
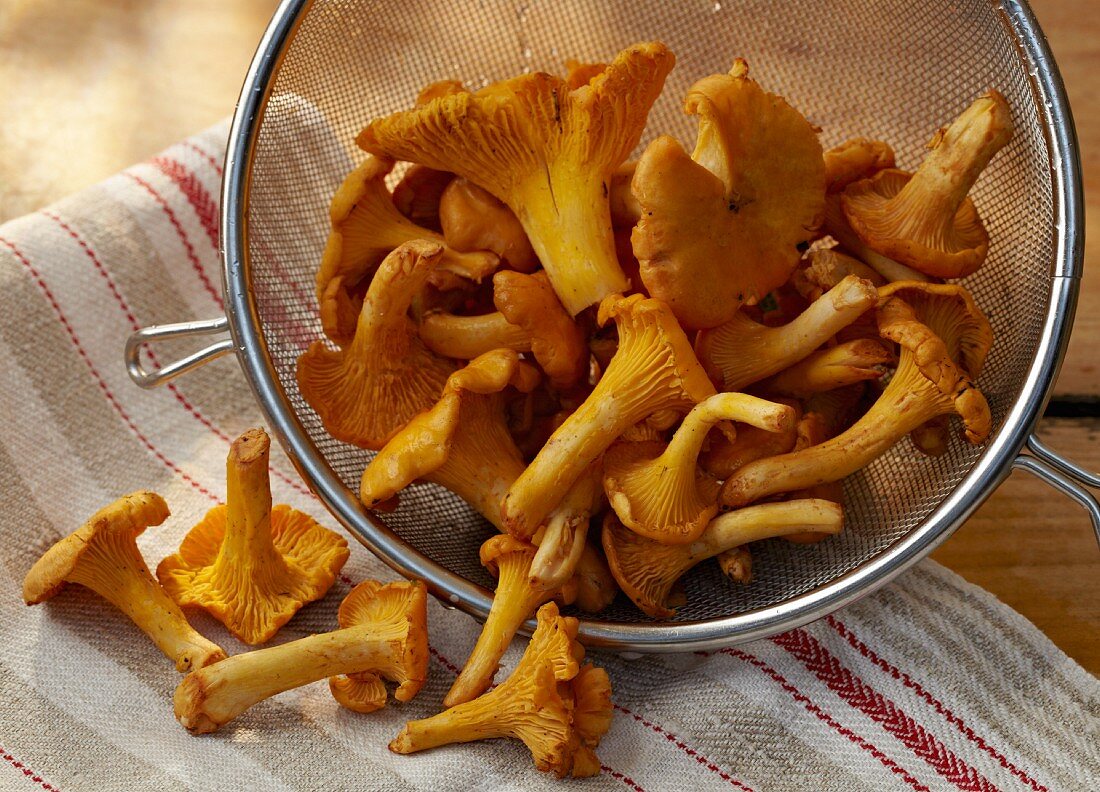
[(928, 684)]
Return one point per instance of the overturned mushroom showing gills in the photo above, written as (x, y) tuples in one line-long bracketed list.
[(722, 228), (925, 220), (654, 369), (646, 570), (249, 565), (366, 227), (743, 351), (383, 635), (529, 318), (102, 555), (929, 382), (545, 150), (514, 601), (558, 708), (658, 491), (461, 443), (365, 393)]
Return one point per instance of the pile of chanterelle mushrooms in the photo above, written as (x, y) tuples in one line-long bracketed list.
[(691, 351)]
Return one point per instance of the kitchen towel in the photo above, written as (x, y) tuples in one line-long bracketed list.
[(928, 684)]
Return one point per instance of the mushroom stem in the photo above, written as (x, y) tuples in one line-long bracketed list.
[(466, 337), (465, 722), (907, 402), (647, 570), (742, 351), (834, 367), (514, 602), (957, 157), (562, 541), (112, 567), (582, 264), (213, 696), (247, 549), (688, 440)]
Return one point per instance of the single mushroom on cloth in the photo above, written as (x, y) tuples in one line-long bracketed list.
[(102, 555), (743, 351), (250, 565), (529, 318), (474, 219), (366, 392), (722, 228), (548, 151), (658, 490), (557, 707), (461, 443), (930, 381), (383, 635), (653, 370), (646, 570), (366, 227), (925, 220), (516, 598)]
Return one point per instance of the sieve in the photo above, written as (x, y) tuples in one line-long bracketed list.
[(889, 69)]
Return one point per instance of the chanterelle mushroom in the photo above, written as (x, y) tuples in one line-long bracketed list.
[(366, 227), (855, 159), (529, 319), (550, 702), (383, 635), (723, 456), (461, 443), (742, 351), (654, 369), (103, 555), (646, 570), (248, 564), (473, 219), (833, 367), (658, 491), (365, 393), (929, 381), (722, 227), (515, 599), (418, 196), (545, 150), (925, 220)]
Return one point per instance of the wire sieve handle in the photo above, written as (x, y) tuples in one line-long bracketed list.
[(1067, 477), (145, 378)]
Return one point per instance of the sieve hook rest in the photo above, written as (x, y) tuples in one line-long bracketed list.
[(145, 378), (1065, 476)]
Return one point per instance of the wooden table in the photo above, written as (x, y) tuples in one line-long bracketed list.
[(91, 86)]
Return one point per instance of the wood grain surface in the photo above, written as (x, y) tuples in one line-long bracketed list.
[(87, 87)]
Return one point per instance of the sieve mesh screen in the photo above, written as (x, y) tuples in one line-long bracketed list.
[(893, 69)]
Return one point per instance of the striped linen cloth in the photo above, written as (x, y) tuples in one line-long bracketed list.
[(929, 684)]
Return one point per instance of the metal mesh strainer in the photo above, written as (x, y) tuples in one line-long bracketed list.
[(891, 69)]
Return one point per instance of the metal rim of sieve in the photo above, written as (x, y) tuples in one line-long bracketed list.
[(1003, 453)]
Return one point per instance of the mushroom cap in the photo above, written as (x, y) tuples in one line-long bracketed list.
[(402, 608), (557, 342), (722, 227), (949, 311), (657, 500), (853, 160), (644, 569), (260, 600), (832, 367), (592, 708), (500, 546), (545, 150), (957, 250), (363, 692), (126, 518), (474, 219), (925, 220), (578, 73), (931, 356), (365, 393), (467, 408)]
